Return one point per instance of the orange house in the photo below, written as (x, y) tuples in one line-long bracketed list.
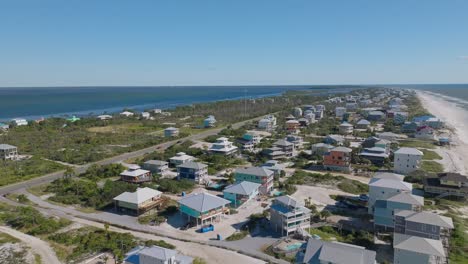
[(338, 159)]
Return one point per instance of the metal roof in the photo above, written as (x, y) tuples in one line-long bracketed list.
[(192, 165), (156, 162), (407, 198), (256, 171), (409, 151), (243, 188), (389, 175), (426, 218), (319, 251), (342, 149), (203, 202), (421, 245), (6, 146), (139, 196), (393, 184)]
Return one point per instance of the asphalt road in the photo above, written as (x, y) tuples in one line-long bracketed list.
[(138, 153)]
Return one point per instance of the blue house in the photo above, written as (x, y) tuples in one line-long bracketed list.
[(194, 171), (421, 119), (241, 193), (384, 210), (409, 127)]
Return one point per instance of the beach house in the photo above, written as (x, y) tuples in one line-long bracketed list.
[(298, 141), (412, 249), (155, 255), (138, 202), (338, 159), (400, 117), (134, 174), (171, 132), (203, 208), (223, 146), (127, 114), (345, 128), (407, 160), (180, 158), (267, 123), (19, 122), (274, 166), (434, 122), (323, 252), (297, 112), (104, 117), (156, 166), (334, 140), (352, 107), (4, 126), (8, 152), (292, 126), (288, 215), (376, 116), (320, 148), (285, 146), (210, 121), (249, 140), (409, 127), (340, 111), (194, 171), (423, 224), (260, 175), (447, 184), (363, 124), (241, 192), (384, 209), (376, 155), (425, 132), (145, 115), (385, 185)]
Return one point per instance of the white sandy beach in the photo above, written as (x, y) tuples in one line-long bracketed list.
[(455, 118)]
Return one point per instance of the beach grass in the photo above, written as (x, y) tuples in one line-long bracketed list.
[(432, 166), (6, 238), (16, 171), (417, 144), (430, 155)]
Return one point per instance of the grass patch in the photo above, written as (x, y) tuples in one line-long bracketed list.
[(353, 186), (432, 166), (459, 240), (417, 144), (430, 155), (18, 171), (237, 236), (6, 238), (360, 238), (304, 178), (39, 190), (37, 259)]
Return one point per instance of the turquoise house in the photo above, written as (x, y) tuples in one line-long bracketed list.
[(384, 210), (203, 208), (260, 175), (241, 193)]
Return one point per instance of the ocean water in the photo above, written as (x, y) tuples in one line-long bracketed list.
[(32, 103), (455, 93)]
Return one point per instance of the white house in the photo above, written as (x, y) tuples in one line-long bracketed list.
[(180, 158), (407, 160), (413, 249), (267, 123), (145, 115), (126, 114), (385, 185), (20, 122), (104, 117), (340, 111), (346, 128), (223, 146)]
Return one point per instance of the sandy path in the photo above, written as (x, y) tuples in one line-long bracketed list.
[(38, 246)]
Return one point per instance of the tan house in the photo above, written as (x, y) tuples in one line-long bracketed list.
[(138, 202)]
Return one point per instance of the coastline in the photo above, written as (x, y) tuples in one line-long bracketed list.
[(456, 120)]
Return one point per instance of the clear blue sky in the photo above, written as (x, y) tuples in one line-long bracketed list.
[(224, 42)]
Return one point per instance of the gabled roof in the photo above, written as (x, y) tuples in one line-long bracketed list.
[(426, 218), (134, 173), (6, 146), (319, 251), (346, 124), (203, 202), (407, 198), (192, 165), (409, 151), (257, 171), (388, 175), (156, 162), (363, 122), (139, 196), (342, 149), (422, 245), (282, 142), (159, 253), (171, 129), (393, 184), (451, 176), (243, 188), (288, 201)]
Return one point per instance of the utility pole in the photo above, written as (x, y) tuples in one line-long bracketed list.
[(245, 102)]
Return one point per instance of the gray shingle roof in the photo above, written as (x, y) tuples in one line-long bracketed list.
[(256, 171), (289, 201), (139, 196), (409, 151), (156, 162), (342, 149), (203, 202), (159, 253), (192, 165), (282, 142), (426, 218), (388, 183), (407, 198), (422, 245), (389, 175), (243, 188), (451, 176), (319, 251)]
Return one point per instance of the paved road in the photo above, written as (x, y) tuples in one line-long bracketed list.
[(38, 246), (82, 168)]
